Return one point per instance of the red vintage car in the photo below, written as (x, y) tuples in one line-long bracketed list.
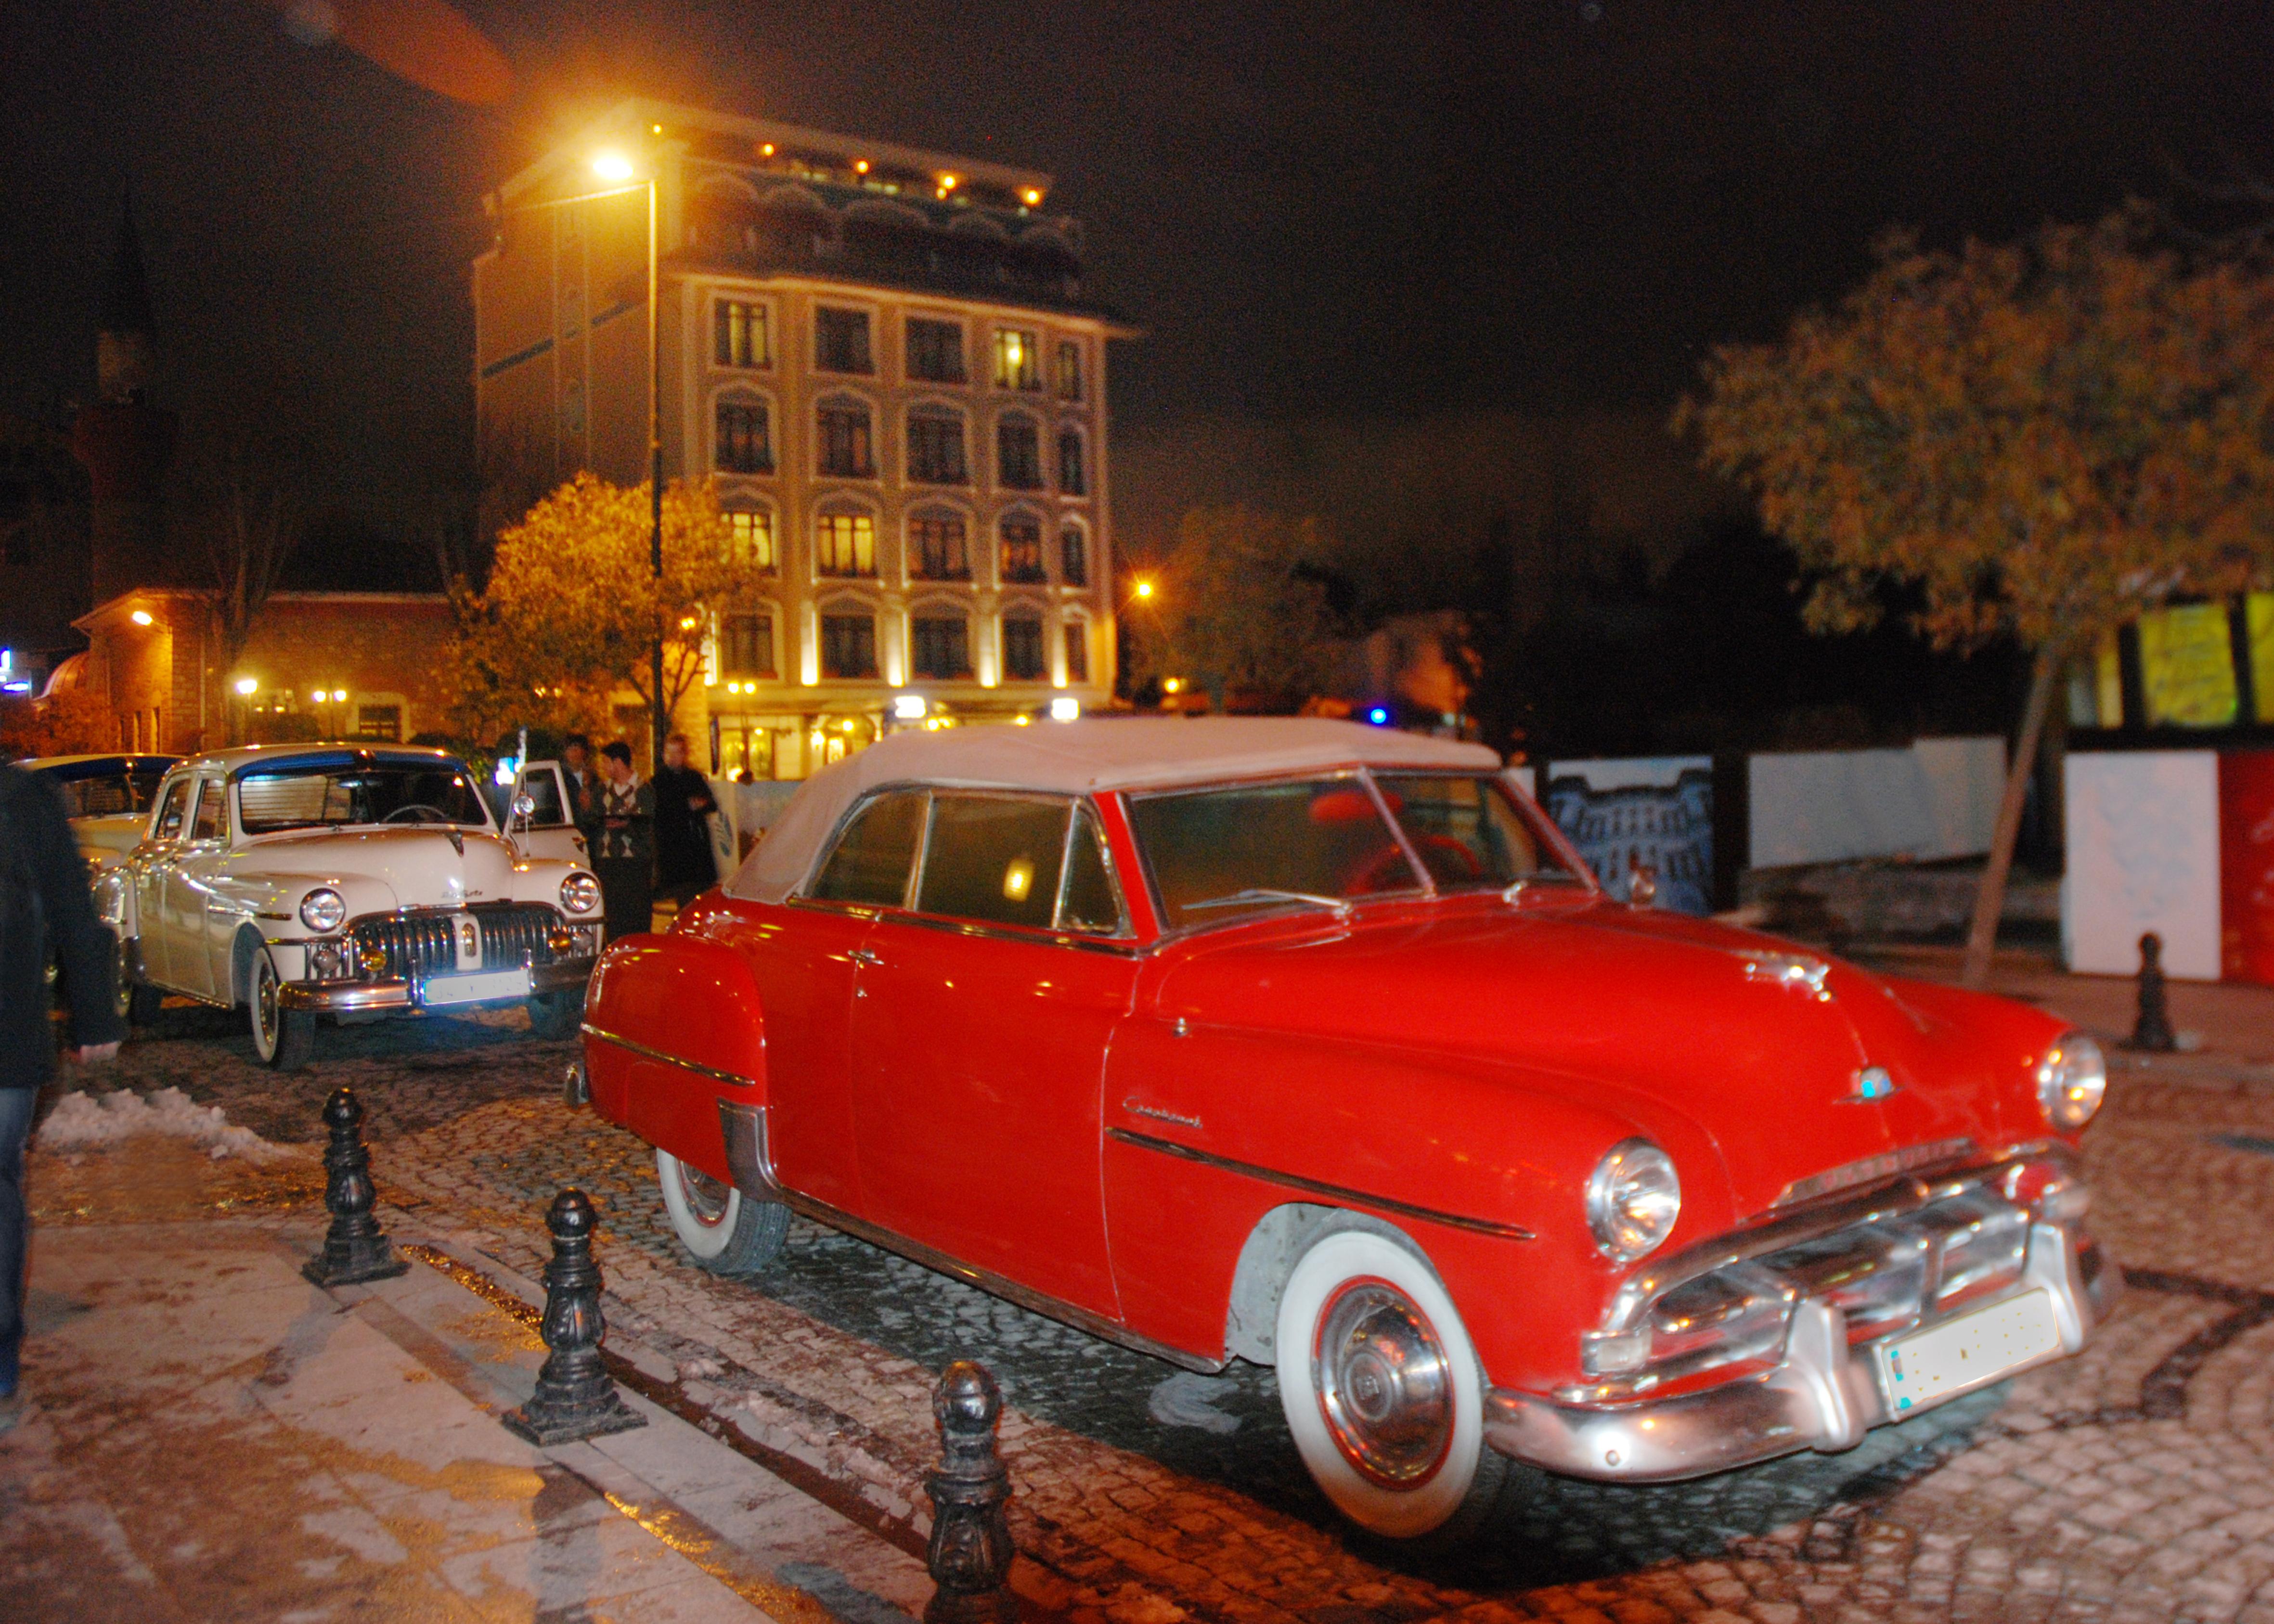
[(1315, 1044)]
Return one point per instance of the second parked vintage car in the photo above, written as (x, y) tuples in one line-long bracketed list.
[(108, 799), (343, 879), (1316, 1045)]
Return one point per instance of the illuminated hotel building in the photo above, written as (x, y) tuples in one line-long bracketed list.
[(887, 358)]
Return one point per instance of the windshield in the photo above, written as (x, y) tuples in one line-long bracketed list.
[(110, 794), (322, 795), (1217, 853)]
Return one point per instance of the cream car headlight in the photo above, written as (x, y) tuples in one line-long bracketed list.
[(2072, 1079), (580, 893), (323, 910), (1633, 1197)]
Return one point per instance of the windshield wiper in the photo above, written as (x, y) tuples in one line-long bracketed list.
[(1341, 905)]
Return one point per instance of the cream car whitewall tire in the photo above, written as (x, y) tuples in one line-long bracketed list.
[(1389, 1419), (283, 1039), (723, 1229)]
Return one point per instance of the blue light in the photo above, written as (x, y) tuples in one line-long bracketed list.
[(1379, 716)]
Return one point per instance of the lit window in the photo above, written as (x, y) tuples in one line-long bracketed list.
[(1023, 648), (936, 446), (1022, 549), (941, 646), (1068, 371), (746, 645), (1072, 479), (1018, 456), (935, 351), (1077, 651), (846, 450), (845, 543), (380, 722), (752, 546), (1073, 557), (740, 334), (936, 547), (848, 646), (840, 341), (1018, 364), (745, 437)]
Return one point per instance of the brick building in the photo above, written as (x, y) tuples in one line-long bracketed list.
[(887, 358)]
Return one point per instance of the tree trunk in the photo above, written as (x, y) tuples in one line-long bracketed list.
[(1990, 901)]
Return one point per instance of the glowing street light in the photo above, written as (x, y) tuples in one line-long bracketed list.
[(248, 686), (1066, 708), (140, 617), (1144, 587), (612, 167), (908, 706)]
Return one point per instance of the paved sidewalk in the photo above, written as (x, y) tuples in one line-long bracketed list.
[(211, 1438)]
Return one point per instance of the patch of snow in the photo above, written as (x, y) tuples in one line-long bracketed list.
[(97, 1122)]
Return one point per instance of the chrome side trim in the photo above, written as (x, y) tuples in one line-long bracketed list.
[(1312, 1186), (642, 1050), (1873, 1169)]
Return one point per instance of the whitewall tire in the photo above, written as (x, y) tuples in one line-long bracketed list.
[(723, 1229), (1383, 1389), (283, 1039)]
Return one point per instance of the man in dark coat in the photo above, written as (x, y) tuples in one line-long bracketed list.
[(684, 867), (582, 783), (45, 915), (623, 844)]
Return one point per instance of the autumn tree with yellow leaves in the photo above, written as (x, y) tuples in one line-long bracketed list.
[(1238, 604), (570, 612), (2043, 439)]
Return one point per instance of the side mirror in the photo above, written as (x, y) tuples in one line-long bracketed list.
[(524, 807)]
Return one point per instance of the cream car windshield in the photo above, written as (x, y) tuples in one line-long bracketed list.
[(328, 795)]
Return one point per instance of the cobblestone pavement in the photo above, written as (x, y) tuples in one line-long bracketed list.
[(2135, 1481)]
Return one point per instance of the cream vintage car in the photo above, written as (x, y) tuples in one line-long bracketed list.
[(344, 879)]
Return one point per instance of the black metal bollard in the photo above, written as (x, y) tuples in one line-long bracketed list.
[(2153, 1030), (970, 1553), (575, 1398), (355, 1247)]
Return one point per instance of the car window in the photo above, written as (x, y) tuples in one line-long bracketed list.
[(212, 820), (169, 811), (543, 786), (303, 795), (994, 859), (1090, 902), (1215, 853), (1468, 829), (875, 851)]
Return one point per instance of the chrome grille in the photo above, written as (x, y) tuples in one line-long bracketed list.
[(415, 944), (515, 935)]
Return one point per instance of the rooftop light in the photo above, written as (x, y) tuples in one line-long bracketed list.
[(140, 617)]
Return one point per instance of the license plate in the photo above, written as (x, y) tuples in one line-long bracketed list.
[(474, 988), (1965, 1353)]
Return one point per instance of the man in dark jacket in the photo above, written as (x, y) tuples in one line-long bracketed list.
[(623, 844), (45, 915), (684, 867)]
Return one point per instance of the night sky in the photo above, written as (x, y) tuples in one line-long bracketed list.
[(1393, 209)]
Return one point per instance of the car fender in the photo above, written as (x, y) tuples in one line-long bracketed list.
[(539, 879), (673, 1027)]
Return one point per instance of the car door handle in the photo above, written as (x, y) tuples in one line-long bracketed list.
[(862, 956)]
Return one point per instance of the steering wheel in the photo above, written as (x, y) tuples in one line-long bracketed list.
[(440, 816), (1389, 862)]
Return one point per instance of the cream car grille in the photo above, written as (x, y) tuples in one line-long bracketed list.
[(417, 946)]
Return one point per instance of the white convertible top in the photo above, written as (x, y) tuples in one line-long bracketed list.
[(1082, 758)]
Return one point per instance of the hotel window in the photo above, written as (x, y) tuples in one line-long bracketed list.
[(845, 543), (935, 351), (746, 645), (940, 646), (1023, 648), (751, 544), (1073, 557), (1068, 369), (936, 446), (847, 451), (1018, 364), (1073, 481), (840, 341), (1022, 549), (1077, 651), (383, 722), (936, 547), (848, 646), (740, 334), (1018, 455), (745, 437)]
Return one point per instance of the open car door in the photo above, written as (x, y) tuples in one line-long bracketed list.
[(548, 827)]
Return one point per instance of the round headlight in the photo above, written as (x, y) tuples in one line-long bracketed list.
[(2071, 1080), (1633, 1197), (322, 910), (580, 893)]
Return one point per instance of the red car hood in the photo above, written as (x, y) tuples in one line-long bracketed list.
[(1757, 1042)]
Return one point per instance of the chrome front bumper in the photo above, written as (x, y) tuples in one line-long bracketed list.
[(1824, 1395), (399, 993)]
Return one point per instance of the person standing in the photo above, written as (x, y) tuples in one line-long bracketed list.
[(46, 912), (623, 844), (684, 866), (582, 784)]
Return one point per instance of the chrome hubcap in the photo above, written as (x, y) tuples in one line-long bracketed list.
[(705, 1196), (264, 993), (1384, 1385)]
